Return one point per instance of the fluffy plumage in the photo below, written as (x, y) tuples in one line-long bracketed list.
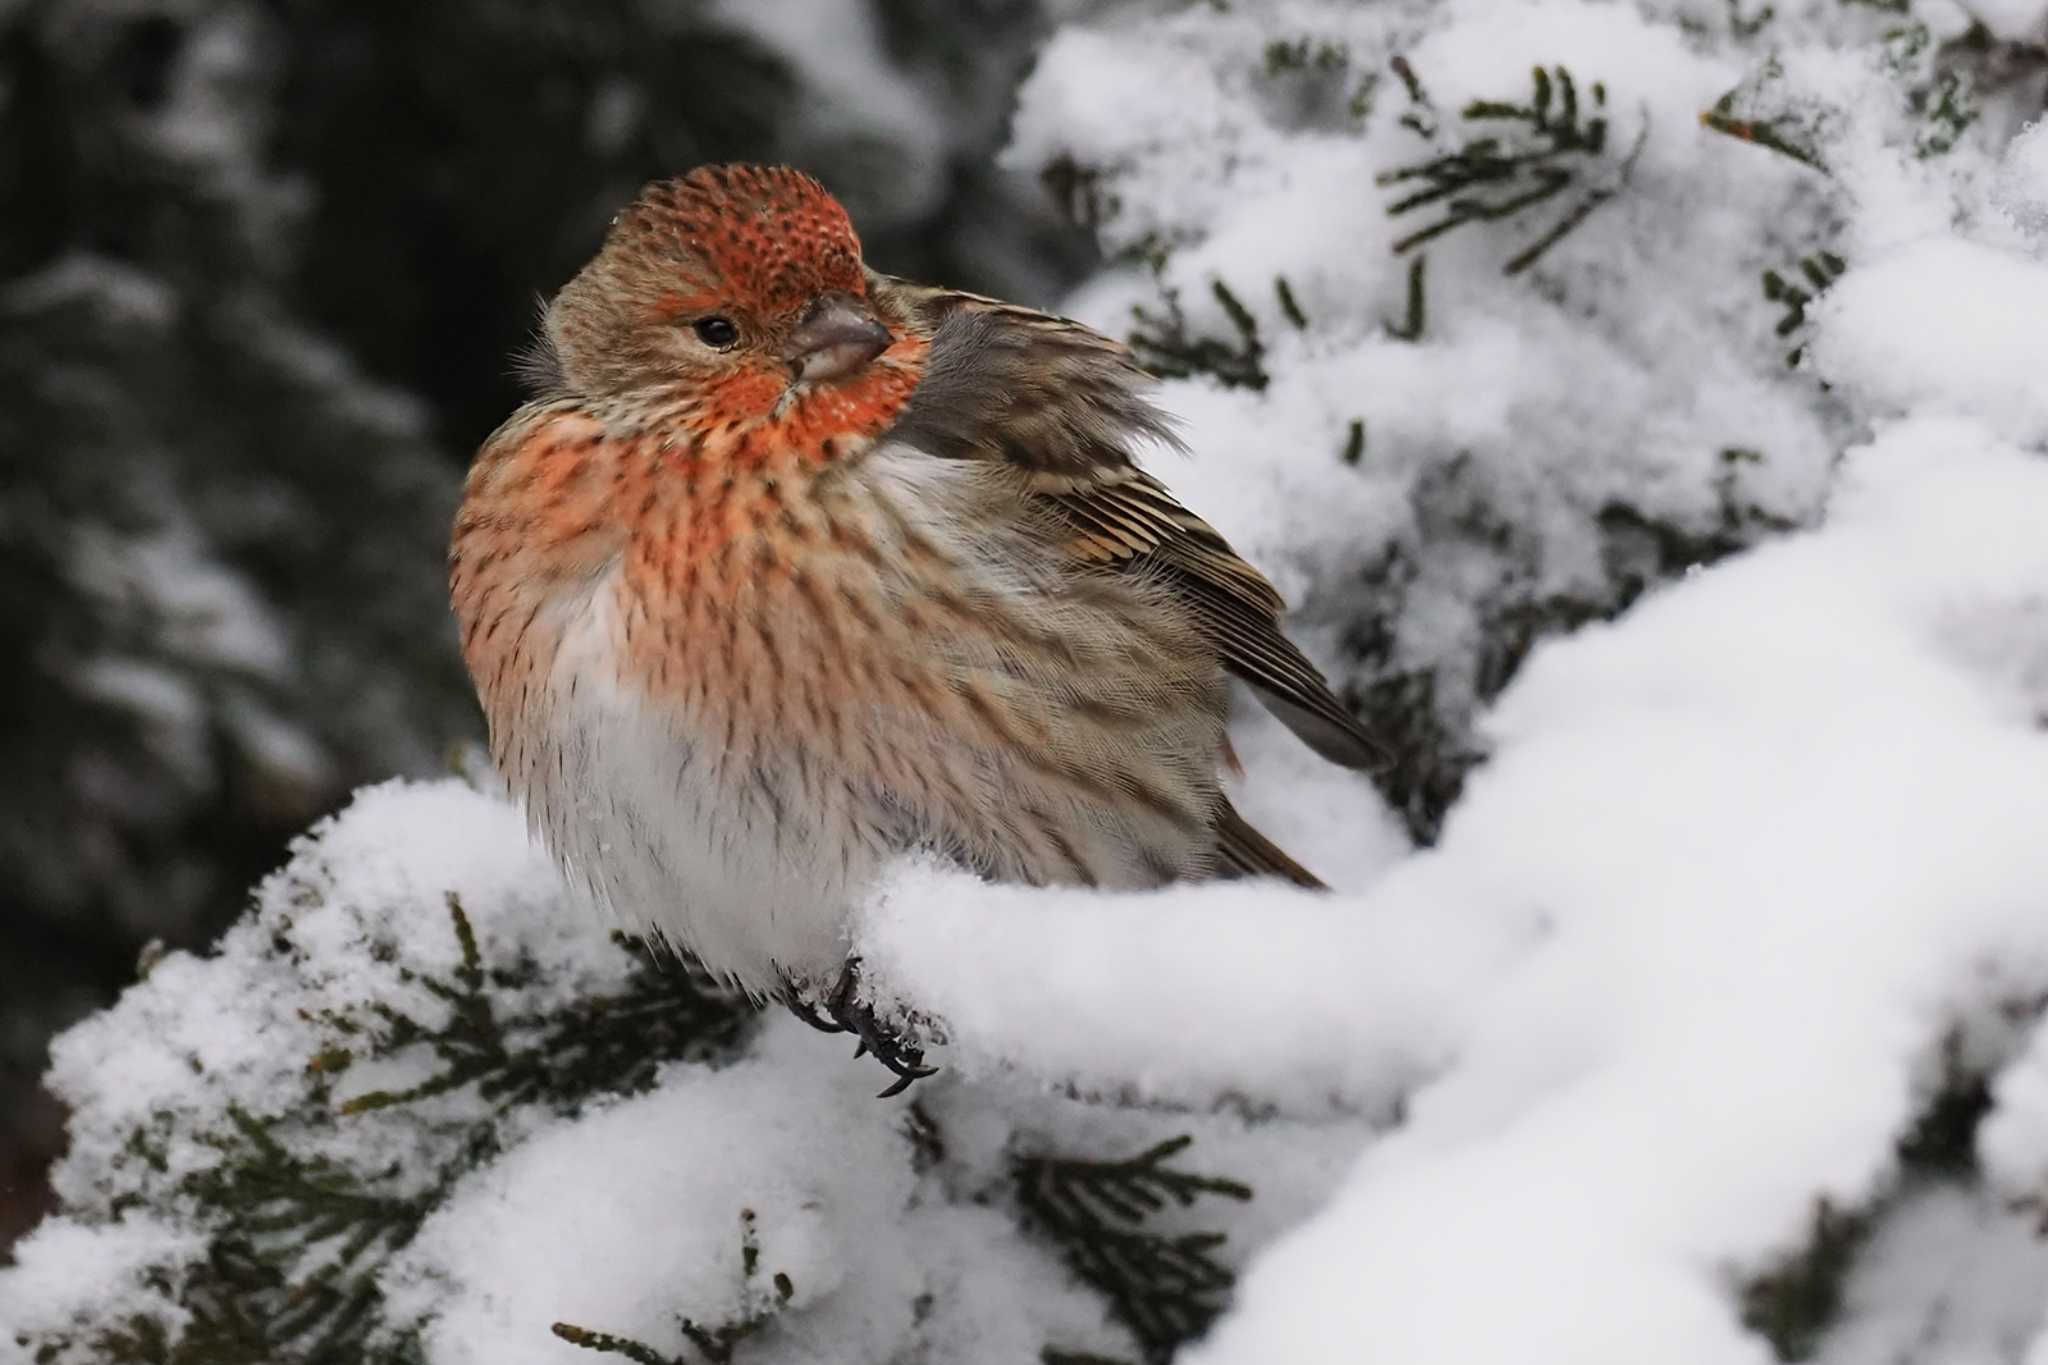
[(794, 566)]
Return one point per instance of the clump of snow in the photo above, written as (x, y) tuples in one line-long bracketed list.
[(484, 1296), (2013, 21), (1748, 958), (777, 1191), (1952, 1275), (2014, 1140), (351, 936), (68, 1278), (2022, 189), (210, 617), (1292, 1001), (1943, 324), (350, 925)]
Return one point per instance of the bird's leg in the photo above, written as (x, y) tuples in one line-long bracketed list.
[(903, 1058), (792, 997)]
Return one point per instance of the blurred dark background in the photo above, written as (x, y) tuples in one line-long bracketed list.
[(262, 267)]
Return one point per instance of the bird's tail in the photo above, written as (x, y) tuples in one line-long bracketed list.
[(1247, 853)]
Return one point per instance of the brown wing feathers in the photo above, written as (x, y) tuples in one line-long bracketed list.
[(1131, 517), (1244, 852), (1061, 404)]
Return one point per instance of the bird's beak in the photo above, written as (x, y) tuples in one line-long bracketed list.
[(835, 336)]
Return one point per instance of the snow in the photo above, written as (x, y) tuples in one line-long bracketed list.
[(488, 1298), (138, 299), (1530, 408), (2022, 189), (209, 614), (856, 104), (1954, 1276), (1845, 832), (1743, 886), (2013, 1143), (622, 1216), (1941, 324), (66, 1276), (1584, 982), (2013, 21), (1292, 1001), (339, 935)]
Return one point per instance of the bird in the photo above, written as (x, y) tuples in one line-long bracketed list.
[(788, 567)]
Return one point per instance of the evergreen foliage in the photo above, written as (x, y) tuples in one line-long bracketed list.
[(1796, 1302), (1164, 345), (1165, 1287), (715, 1344), (1818, 270), (295, 1237), (1539, 151), (610, 1044)]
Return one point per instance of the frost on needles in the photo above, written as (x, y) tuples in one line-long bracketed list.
[(1642, 406)]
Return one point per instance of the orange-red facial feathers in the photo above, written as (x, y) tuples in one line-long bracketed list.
[(769, 239), (704, 284)]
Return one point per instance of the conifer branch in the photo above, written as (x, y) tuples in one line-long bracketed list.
[(1354, 442), (1545, 147), (604, 1343), (607, 1043), (1819, 270), (1413, 320), (290, 1275), (715, 1344), (1165, 1288), (1163, 344), (1763, 133), (1288, 306)]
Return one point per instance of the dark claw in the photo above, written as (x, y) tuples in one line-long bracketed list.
[(903, 1082), (844, 990), (903, 1058), (793, 1000), (811, 1016)]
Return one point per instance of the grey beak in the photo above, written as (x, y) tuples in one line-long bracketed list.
[(836, 336)]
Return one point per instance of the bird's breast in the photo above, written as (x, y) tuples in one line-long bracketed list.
[(777, 682)]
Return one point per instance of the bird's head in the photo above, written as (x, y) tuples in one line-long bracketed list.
[(741, 286)]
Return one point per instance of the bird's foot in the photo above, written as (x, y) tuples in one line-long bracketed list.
[(850, 1015), (792, 997)]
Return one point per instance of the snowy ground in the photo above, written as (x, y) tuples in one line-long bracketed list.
[(1709, 1026)]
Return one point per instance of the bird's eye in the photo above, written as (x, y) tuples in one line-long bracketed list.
[(717, 333)]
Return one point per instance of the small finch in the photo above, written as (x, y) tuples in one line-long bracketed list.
[(790, 566)]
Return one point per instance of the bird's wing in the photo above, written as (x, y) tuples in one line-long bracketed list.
[(1061, 405), (1244, 852), (1133, 520)]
